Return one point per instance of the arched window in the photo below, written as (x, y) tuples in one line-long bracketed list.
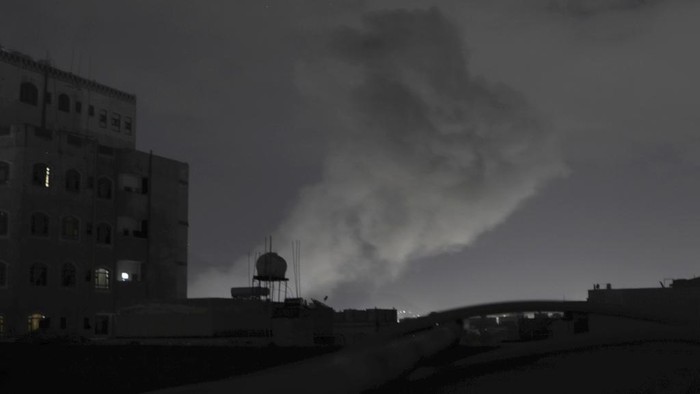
[(4, 223), (28, 93), (35, 322), (104, 234), (4, 172), (40, 224), (63, 103), (104, 188), (3, 274), (41, 175), (38, 274), (73, 181), (68, 275), (70, 228), (102, 278)]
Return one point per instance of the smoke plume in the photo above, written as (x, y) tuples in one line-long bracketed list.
[(424, 157)]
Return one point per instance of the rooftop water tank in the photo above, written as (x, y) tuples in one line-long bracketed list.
[(271, 266)]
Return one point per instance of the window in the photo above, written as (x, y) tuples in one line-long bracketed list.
[(4, 223), (28, 93), (78, 107), (91, 110), (38, 274), (70, 228), (41, 176), (125, 225), (103, 118), (144, 230), (3, 274), (47, 98), (73, 181), (40, 224), (4, 172), (104, 234), (128, 125), (116, 121), (102, 278), (130, 183), (63, 103), (101, 325), (68, 275), (35, 322), (128, 271), (104, 188)]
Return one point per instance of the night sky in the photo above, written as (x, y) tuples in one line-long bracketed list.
[(426, 154)]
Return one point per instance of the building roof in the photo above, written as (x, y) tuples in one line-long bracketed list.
[(25, 61)]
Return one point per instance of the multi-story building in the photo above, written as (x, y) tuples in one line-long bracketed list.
[(88, 224)]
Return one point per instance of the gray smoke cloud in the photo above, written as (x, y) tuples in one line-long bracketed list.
[(424, 156)]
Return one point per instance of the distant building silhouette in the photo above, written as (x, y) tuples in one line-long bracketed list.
[(88, 224), (679, 301)]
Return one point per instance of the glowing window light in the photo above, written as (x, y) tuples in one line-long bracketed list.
[(125, 276), (47, 176)]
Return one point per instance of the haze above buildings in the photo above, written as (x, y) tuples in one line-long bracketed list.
[(217, 89)]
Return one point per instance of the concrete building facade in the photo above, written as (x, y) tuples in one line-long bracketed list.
[(88, 224)]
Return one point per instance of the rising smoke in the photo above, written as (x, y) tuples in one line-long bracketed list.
[(425, 156)]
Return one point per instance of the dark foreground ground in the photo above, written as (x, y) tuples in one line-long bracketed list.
[(101, 368), (635, 367)]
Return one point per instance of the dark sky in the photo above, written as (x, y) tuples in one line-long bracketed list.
[(426, 158)]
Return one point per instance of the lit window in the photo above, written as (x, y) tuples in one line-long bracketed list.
[(68, 275), (35, 322), (70, 228), (101, 278), (72, 181), (38, 274), (28, 93), (129, 270), (41, 176), (63, 103), (40, 224), (104, 234), (3, 274), (104, 188), (4, 172), (4, 223)]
